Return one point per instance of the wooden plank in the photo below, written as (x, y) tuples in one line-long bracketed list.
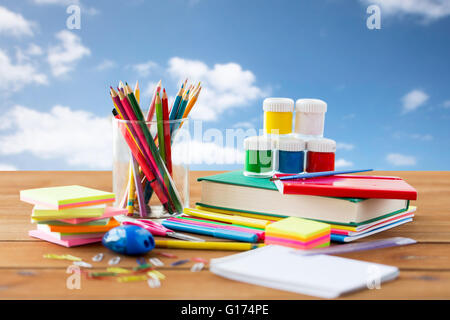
[(411, 257), (51, 284)]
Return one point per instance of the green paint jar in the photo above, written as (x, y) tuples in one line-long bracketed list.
[(258, 157)]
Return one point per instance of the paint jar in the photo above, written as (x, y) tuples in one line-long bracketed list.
[(291, 155), (278, 115), (320, 156), (258, 156), (310, 118)]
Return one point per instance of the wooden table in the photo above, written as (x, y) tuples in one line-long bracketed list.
[(25, 274)]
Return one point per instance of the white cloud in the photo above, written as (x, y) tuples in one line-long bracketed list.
[(14, 77), (7, 167), (446, 104), (344, 146), (413, 100), (144, 69), (225, 86), (150, 89), (398, 159), (428, 10), (64, 56), (77, 137), (14, 24), (341, 163), (105, 65), (34, 50)]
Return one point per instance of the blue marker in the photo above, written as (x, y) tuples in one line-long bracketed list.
[(213, 232)]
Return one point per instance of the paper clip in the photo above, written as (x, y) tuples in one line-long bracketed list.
[(156, 275), (156, 262), (200, 260), (197, 267), (167, 255), (114, 261), (118, 270), (82, 264), (143, 267), (61, 257), (98, 257), (179, 262), (153, 283), (101, 274), (131, 278)]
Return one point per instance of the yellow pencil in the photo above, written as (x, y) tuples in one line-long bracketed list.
[(234, 246), (243, 221), (239, 213), (131, 189)]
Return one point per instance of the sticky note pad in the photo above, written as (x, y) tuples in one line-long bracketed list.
[(43, 213), (66, 243), (298, 233), (78, 229), (66, 197)]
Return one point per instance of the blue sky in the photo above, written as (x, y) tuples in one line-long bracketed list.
[(388, 90)]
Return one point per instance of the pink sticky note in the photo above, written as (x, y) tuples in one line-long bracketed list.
[(66, 243)]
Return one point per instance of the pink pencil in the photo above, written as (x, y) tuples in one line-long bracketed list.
[(260, 234), (151, 110)]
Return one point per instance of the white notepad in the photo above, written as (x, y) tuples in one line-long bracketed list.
[(319, 275)]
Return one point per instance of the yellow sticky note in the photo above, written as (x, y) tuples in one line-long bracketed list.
[(298, 228)]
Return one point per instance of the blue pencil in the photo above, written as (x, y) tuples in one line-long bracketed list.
[(318, 174), (175, 107)]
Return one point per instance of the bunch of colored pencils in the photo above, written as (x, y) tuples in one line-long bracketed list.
[(150, 169)]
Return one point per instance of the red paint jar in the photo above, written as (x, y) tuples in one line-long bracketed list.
[(320, 156)]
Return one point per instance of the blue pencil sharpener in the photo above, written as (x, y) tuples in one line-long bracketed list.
[(129, 240)]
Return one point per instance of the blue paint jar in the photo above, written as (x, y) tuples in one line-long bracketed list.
[(291, 155)]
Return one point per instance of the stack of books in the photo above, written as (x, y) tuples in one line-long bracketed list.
[(355, 206), (71, 215)]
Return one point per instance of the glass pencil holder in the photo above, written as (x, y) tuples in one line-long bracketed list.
[(163, 188)]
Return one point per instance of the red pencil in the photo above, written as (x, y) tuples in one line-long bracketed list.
[(168, 152)]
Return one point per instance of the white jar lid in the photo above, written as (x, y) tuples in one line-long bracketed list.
[(258, 143), (321, 145), (291, 144), (311, 105), (278, 105)]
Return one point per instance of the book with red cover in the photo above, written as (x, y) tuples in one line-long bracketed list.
[(349, 186)]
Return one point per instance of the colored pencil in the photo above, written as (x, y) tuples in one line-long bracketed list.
[(151, 109), (173, 193), (137, 145), (234, 246), (139, 191), (191, 103), (160, 126), (175, 106), (167, 143)]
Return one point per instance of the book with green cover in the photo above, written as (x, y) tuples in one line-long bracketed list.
[(236, 192)]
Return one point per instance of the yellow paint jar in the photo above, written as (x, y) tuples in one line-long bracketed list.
[(278, 115)]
